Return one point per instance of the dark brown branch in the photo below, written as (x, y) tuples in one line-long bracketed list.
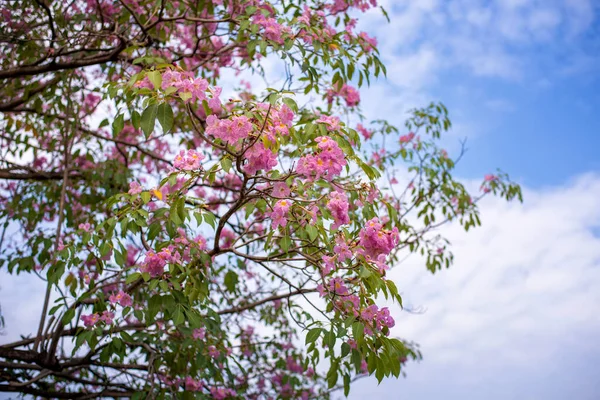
[(11, 105), (239, 309), (59, 66)]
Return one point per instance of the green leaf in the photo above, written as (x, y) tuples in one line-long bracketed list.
[(149, 119), (178, 316), (312, 232), (165, 116), (146, 197), (285, 243), (291, 103), (346, 385), (136, 119), (226, 164), (345, 349), (118, 124), (231, 281), (313, 335), (185, 96), (358, 331), (133, 277), (68, 316), (156, 79)]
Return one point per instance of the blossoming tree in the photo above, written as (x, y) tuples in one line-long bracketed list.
[(202, 246)]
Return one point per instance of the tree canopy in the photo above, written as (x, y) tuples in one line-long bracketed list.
[(201, 238)]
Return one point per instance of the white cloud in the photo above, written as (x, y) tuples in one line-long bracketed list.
[(491, 39), (524, 288)]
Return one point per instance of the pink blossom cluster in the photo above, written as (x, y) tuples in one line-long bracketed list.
[(489, 178), (199, 333), (341, 249), (222, 393), (281, 190), (367, 134), (154, 263), (343, 5), (293, 365), (367, 42), (85, 226), (338, 206), (279, 214), (376, 241), (229, 130), (327, 162), (280, 119), (184, 82), (347, 92), (333, 123), (134, 188), (377, 318), (337, 286), (272, 29), (227, 237), (193, 385), (328, 265), (407, 138), (259, 158), (91, 320), (188, 161), (122, 298)]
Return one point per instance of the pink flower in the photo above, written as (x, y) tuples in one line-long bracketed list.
[(229, 130), (228, 237), (341, 249), (272, 29), (333, 123), (184, 82), (281, 190), (213, 352), (199, 334), (214, 103), (369, 313), (121, 298), (134, 188), (201, 242), (407, 138), (363, 367), (259, 158), (385, 319), (293, 365), (222, 393), (85, 227), (189, 161), (193, 385), (329, 263), (368, 43), (90, 320), (107, 317), (347, 92), (337, 286), (279, 214), (367, 134), (327, 162), (338, 206), (154, 264), (374, 240)]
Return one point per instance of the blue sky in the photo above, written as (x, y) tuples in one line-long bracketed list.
[(517, 315), (520, 78)]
